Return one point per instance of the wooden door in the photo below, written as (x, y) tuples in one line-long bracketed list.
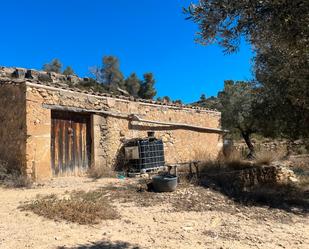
[(70, 143)]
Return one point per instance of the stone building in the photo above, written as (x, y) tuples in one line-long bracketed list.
[(50, 128)]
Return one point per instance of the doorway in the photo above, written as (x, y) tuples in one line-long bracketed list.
[(70, 143)]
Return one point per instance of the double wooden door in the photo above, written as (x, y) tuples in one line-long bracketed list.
[(70, 143)]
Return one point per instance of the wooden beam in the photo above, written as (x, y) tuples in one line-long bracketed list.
[(134, 117), (82, 110), (180, 125)]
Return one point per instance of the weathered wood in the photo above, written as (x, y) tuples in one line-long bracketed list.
[(69, 146), (180, 125), (60, 137), (53, 147)]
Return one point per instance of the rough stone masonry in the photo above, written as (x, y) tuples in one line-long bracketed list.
[(29, 99)]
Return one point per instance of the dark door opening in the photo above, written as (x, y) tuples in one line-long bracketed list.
[(70, 143)]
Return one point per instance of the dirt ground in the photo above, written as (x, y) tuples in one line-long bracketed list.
[(191, 217)]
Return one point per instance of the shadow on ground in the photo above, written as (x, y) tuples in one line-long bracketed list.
[(104, 245), (287, 197)]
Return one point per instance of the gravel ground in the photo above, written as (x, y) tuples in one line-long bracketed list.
[(191, 217)]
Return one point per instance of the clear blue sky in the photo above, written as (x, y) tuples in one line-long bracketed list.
[(146, 35)]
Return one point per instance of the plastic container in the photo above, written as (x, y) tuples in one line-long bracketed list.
[(150, 154), (164, 183)]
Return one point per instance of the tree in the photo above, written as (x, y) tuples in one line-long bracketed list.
[(147, 90), (210, 103), (237, 103), (68, 71), (132, 84), (109, 73), (279, 34), (54, 66), (166, 99), (178, 101), (283, 24), (159, 99), (203, 97), (285, 92)]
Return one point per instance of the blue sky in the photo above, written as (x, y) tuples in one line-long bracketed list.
[(146, 35)]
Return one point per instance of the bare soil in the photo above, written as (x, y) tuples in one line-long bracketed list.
[(191, 217)]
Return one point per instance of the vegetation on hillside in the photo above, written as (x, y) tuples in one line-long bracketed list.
[(56, 66), (110, 75), (109, 78)]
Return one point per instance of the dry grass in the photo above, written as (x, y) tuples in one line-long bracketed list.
[(264, 157), (200, 155), (301, 170), (12, 178), (233, 161), (80, 207), (101, 172), (227, 174)]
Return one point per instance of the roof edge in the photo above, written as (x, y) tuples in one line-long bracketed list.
[(57, 81)]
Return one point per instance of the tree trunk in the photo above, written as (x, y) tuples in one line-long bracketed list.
[(246, 137)]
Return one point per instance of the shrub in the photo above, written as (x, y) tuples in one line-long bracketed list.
[(80, 207), (201, 155), (12, 178), (264, 157), (231, 161)]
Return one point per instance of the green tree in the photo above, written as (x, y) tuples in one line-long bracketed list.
[(109, 73), (68, 71), (210, 103), (279, 34), (203, 97), (281, 24), (237, 104), (178, 101), (54, 66), (166, 99), (159, 99), (147, 89), (132, 84), (285, 94)]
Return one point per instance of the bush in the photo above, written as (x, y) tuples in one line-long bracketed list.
[(233, 161), (80, 207), (12, 178), (264, 157)]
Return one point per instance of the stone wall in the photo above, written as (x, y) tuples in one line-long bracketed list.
[(181, 145), (252, 176), (38, 137), (99, 144), (13, 125), (109, 133), (277, 146)]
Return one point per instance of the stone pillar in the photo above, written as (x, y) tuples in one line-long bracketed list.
[(38, 158), (38, 144), (99, 145)]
